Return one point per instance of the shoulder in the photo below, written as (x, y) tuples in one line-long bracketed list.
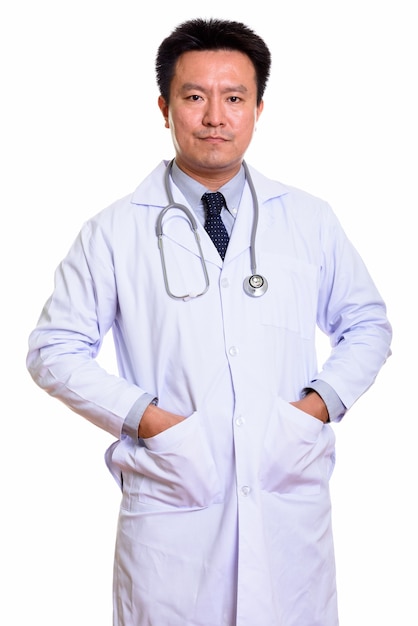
[(274, 192), (149, 192)]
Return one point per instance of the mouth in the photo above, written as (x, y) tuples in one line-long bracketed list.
[(213, 138)]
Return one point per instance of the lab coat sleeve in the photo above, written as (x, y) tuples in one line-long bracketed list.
[(64, 345), (352, 313)]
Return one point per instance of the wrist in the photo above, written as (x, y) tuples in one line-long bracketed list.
[(316, 406), (313, 404)]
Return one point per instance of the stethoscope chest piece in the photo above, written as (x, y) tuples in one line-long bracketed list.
[(255, 285)]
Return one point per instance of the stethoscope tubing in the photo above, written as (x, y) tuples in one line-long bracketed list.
[(254, 285)]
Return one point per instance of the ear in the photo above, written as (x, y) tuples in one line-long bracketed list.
[(260, 108), (164, 110)]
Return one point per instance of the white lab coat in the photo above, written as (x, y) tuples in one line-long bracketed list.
[(225, 518)]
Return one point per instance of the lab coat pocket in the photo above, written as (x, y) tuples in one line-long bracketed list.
[(291, 300), (175, 469), (298, 452)]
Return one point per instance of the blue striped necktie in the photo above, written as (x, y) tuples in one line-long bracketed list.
[(214, 226)]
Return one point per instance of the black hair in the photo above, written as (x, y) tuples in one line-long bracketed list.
[(211, 34)]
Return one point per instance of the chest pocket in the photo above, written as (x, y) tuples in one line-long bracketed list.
[(290, 302)]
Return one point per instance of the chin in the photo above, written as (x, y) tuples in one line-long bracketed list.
[(216, 161)]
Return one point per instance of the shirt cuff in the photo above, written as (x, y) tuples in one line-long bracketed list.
[(132, 420), (336, 409)]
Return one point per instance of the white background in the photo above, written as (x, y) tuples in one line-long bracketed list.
[(80, 127)]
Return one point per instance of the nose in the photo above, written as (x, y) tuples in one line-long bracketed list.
[(214, 113)]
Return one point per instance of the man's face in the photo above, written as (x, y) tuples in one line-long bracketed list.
[(212, 112)]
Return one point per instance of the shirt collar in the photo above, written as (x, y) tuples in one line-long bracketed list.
[(193, 191)]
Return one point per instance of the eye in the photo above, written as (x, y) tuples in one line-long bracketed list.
[(234, 99), (194, 97)]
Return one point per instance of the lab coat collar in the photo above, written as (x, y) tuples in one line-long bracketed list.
[(151, 192), (266, 188)]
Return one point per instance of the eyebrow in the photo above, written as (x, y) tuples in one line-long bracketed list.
[(197, 87)]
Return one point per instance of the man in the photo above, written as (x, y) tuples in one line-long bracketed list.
[(223, 447)]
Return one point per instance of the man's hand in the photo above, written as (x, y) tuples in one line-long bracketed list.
[(313, 404), (155, 420)]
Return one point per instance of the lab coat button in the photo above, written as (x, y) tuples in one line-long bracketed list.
[(245, 491), (233, 351), (225, 282), (240, 421)]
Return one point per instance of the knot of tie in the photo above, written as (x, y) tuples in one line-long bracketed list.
[(214, 226)]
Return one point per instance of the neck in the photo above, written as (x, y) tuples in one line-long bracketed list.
[(211, 179)]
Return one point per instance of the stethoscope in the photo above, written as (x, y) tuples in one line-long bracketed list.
[(255, 285)]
